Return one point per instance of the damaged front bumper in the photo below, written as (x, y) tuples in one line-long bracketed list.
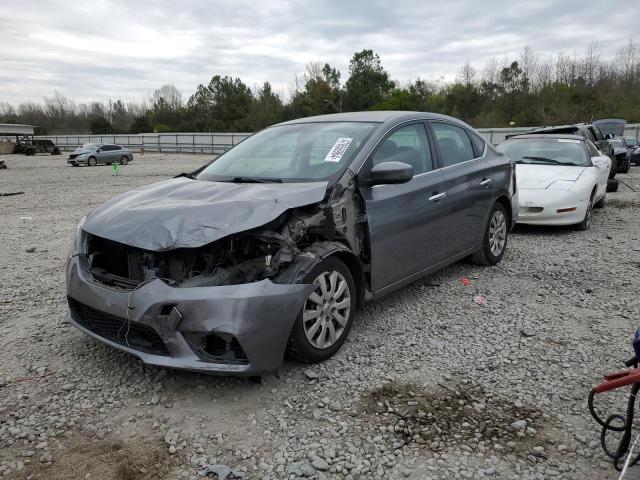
[(229, 330)]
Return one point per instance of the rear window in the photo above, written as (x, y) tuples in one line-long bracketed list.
[(546, 151)]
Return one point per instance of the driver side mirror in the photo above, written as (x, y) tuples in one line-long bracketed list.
[(600, 161), (386, 173)]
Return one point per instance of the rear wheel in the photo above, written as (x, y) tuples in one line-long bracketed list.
[(327, 315), (494, 242), (92, 162)]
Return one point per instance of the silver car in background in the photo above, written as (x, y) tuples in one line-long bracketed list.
[(92, 154)]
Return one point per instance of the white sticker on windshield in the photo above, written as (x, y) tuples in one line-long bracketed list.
[(568, 140), (338, 149)]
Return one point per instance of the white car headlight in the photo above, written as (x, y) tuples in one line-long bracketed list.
[(561, 185)]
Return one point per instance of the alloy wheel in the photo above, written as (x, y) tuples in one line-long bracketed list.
[(326, 311), (497, 233)]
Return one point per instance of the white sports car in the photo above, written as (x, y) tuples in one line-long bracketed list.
[(560, 178)]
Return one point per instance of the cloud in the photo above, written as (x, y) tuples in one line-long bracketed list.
[(126, 49)]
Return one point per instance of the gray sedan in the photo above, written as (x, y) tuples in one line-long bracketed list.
[(92, 154), (271, 248)]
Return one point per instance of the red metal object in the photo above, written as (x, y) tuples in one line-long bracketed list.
[(618, 379)]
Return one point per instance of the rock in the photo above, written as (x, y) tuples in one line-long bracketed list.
[(320, 464), (302, 469), (519, 424)]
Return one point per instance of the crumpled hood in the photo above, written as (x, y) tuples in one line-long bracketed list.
[(185, 213), (542, 176), (82, 150)]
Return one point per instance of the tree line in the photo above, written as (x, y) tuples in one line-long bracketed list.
[(528, 90)]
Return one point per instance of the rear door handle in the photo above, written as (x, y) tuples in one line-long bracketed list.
[(436, 197), (485, 182)]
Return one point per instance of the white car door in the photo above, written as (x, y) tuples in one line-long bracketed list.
[(602, 164)]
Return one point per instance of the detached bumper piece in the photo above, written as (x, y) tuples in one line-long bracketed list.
[(119, 330)]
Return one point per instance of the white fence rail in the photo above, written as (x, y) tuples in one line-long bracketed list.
[(156, 142), (220, 142)]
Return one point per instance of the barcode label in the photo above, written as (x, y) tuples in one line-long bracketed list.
[(338, 149)]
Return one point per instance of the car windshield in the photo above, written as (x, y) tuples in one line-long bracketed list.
[(301, 152), (89, 146), (616, 142), (546, 151), (631, 141)]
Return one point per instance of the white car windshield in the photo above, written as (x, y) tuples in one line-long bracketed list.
[(546, 151), (301, 152)]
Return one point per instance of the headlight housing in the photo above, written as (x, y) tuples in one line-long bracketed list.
[(79, 243)]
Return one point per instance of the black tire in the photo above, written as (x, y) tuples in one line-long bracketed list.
[(614, 167), (299, 346), (612, 185), (626, 166), (92, 162), (485, 256), (124, 160), (585, 224), (74, 164), (600, 203), (56, 151)]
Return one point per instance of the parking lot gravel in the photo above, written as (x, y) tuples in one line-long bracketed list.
[(469, 373)]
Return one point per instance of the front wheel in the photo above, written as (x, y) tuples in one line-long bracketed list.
[(327, 315), (124, 160), (494, 242), (585, 224), (92, 162)]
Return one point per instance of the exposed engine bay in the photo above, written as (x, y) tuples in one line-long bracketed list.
[(239, 258)]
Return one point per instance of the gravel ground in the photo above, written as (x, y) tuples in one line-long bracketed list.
[(430, 385)]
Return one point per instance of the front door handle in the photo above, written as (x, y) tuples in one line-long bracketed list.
[(436, 197), (486, 182)]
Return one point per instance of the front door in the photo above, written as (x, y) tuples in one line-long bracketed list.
[(406, 221)]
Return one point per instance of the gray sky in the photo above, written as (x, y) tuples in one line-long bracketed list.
[(125, 49)]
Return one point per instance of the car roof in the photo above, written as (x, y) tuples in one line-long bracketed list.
[(377, 116), (548, 135)]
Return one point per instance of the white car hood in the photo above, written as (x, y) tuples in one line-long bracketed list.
[(542, 176)]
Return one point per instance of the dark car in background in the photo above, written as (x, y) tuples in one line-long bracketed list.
[(92, 154), (613, 130), (32, 147), (273, 246), (634, 150), (622, 152)]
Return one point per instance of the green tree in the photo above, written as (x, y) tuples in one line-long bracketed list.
[(267, 108), (99, 125), (368, 83)]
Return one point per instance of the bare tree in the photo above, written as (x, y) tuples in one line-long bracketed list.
[(170, 94)]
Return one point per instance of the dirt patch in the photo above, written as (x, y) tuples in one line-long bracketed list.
[(618, 203), (104, 460), (447, 418)]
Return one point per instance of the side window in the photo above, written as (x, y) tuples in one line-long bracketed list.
[(453, 142), (478, 144), (593, 151), (409, 145), (115, 147), (107, 148)]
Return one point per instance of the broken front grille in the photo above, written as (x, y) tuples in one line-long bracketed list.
[(134, 335)]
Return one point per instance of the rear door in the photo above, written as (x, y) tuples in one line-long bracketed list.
[(469, 184), (407, 222)]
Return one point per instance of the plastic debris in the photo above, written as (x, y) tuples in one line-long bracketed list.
[(480, 300), (223, 472), (465, 281)]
